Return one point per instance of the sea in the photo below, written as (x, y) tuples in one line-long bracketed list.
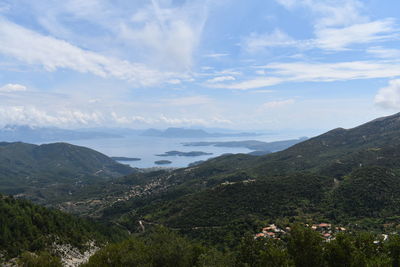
[(147, 148)]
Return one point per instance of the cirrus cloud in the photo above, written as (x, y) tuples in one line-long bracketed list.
[(33, 48), (12, 87)]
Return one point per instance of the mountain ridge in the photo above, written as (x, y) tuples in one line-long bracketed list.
[(33, 169), (304, 182)]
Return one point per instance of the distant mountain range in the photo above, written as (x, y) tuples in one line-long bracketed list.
[(190, 133), (25, 133), (33, 134)]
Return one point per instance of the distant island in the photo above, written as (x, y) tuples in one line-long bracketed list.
[(162, 162), (31, 134), (190, 133), (184, 154), (125, 159), (259, 146)]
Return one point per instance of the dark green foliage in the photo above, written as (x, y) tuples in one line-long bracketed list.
[(347, 177), (393, 247), (24, 226), (305, 247), (41, 259), (354, 250), (262, 253), (45, 172), (161, 248), (369, 192)]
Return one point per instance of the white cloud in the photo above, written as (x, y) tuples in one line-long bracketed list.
[(12, 87), (330, 13), (217, 55), (187, 101), (170, 34), (33, 48), (382, 52), (250, 84), (276, 104), (221, 79), (32, 115), (337, 26), (389, 97), (317, 72), (287, 3), (341, 38), (327, 38), (339, 71), (255, 42), (174, 81)]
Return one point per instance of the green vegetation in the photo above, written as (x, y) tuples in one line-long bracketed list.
[(43, 173), (40, 259), (345, 177), (28, 227), (302, 248), (348, 177)]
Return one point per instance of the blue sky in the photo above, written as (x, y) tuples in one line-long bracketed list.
[(239, 64)]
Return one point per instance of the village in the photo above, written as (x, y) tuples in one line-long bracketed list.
[(326, 230)]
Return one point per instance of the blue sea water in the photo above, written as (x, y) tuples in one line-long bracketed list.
[(147, 148)]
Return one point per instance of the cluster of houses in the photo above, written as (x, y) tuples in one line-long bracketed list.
[(325, 229)]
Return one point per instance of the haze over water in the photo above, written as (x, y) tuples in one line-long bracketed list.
[(147, 148)]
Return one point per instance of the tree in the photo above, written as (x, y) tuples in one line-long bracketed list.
[(305, 247)]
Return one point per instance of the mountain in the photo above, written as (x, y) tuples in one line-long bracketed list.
[(45, 171), (345, 176), (189, 133), (25, 133)]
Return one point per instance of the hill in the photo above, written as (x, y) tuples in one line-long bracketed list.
[(29, 227), (42, 172), (224, 197)]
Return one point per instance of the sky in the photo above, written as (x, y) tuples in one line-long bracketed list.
[(234, 64)]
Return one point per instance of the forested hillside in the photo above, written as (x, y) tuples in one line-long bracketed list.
[(348, 178), (44, 172), (224, 197), (28, 227)]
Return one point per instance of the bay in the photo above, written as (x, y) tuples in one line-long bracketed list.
[(147, 148)]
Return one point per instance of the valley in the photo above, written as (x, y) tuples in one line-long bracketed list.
[(346, 177)]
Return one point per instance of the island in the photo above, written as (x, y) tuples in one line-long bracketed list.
[(184, 154), (125, 159), (162, 162), (259, 146), (191, 133)]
